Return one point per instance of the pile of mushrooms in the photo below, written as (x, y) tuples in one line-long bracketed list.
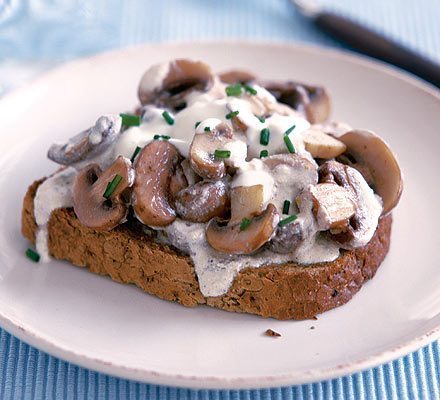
[(160, 185)]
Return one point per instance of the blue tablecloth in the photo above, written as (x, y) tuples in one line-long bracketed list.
[(36, 34)]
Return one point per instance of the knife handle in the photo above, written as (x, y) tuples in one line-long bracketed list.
[(372, 44)]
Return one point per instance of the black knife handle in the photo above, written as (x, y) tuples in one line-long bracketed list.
[(372, 44)]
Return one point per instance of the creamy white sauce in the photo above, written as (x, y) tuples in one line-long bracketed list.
[(209, 111), (55, 192), (216, 271)]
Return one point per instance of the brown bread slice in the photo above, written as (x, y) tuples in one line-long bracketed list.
[(287, 291)]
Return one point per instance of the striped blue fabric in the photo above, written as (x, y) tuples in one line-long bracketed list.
[(44, 32)]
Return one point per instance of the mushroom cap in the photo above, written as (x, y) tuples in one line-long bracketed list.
[(231, 239), (287, 238), (313, 101), (155, 165), (173, 81), (236, 76), (203, 201), (201, 152), (293, 160), (90, 206), (87, 144), (372, 151)]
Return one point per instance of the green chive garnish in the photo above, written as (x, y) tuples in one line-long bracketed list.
[(244, 224), (264, 136), (232, 114), (289, 144), (250, 90), (264, 153), (261, 119), (222, 154), (234, 90), (289, 131), (287, 220), (163, 137), (167, 117), (197, 124), (32, 255), (286, 207), (111, 187), (135, 153), (130, 119), (207, 129)]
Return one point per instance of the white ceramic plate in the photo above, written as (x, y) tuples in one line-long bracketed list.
[(120, 330)]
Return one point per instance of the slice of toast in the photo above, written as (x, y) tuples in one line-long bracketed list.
[(285, 291)]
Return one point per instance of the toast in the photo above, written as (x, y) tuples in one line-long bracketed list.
[(281, 291)]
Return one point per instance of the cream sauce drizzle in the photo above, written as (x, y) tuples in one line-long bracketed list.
[(55, 192)]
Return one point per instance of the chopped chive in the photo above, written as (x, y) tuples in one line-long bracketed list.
[(261, 119), (197, 124), (232, 114), (163, 137), (130, 119), (234, 90), (207, 129), (286, 207), (289, 131), (250, 90), (264, 136), (111, 186), (32, 255), (289, 144), (135, 153), (287, 220), (264, 153), (245, 222), (167, 117), (222, 154)]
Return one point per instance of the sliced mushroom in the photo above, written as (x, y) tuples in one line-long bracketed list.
[(372, 153), (237, 76), (312, 101), (155, 165), (287, 237), (89, 144), (203, 201), (363, 223), (91, 207), (333, 206), (295, 161), (177, 79), (246, 202), (321, 145), (202, 150), (237, 239)]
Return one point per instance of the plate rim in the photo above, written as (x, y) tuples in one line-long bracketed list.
[(30, 337)]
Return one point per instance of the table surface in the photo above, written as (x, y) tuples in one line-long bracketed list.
[(38, 34)]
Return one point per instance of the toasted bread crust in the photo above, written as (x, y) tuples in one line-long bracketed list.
[(285, 291)]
